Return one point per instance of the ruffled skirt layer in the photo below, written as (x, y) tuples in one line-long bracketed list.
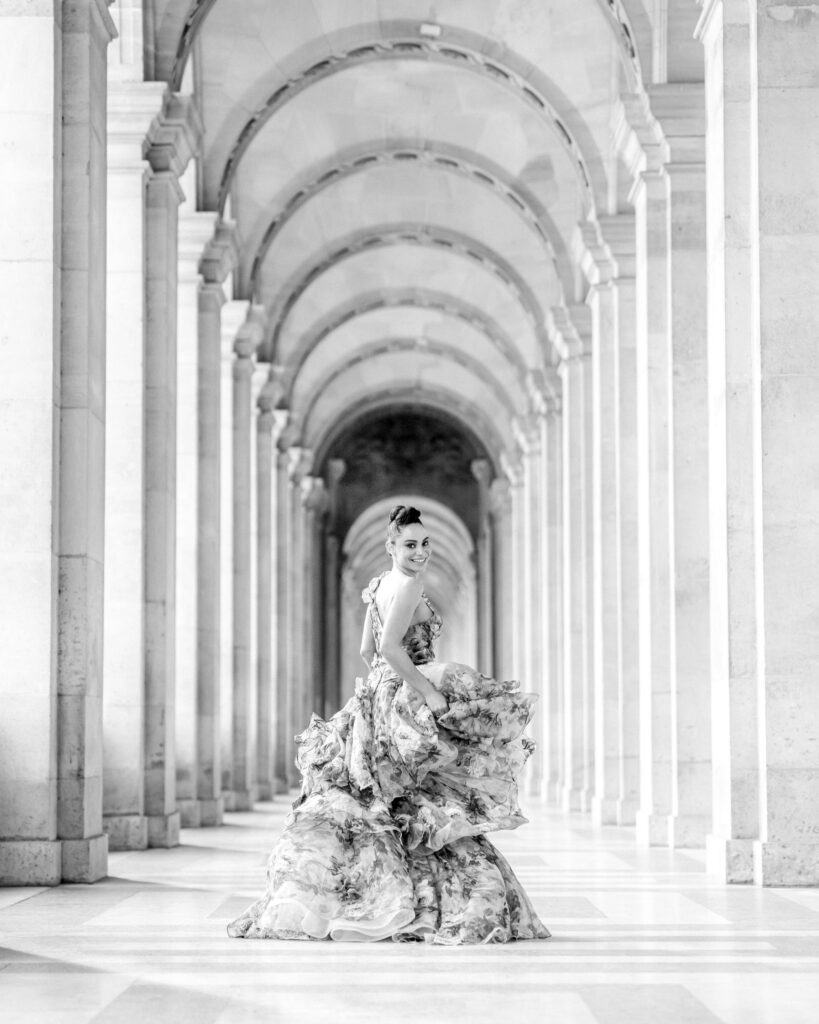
[(388, 837)]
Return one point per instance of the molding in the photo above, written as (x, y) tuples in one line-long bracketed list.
[(174, 137), (221, 253)]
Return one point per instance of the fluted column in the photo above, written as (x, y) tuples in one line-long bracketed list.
[(482, 471), (513, 469), (577, 775), (131, 109), (241, 794)]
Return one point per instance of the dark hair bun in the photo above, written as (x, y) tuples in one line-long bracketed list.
[(402, 515)]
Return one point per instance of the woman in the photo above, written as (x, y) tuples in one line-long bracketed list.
[(387, 839)]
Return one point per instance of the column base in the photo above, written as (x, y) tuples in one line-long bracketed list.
[(163, 830), (239, 799), (534, 787), (281, 786), (265, 790), (604, 811), (190, 813), (688, 831), (626, 812), (31, 861), (730, 860), (85, 860), (571, 799), (652, 829), (126, 832), (211, 812), (554, 791), (786, 864)]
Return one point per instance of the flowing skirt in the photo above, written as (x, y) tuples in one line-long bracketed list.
[(388, 838)]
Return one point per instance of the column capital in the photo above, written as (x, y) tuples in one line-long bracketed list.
[(512, 467), (270, 394), (526, 430), (336, 468), (132, 109), (482, 471), (638, 136), (249, 336), (680, 109), (313, 494), (281, 418), (174, 135), (618, 231), (221, 253), (299, 462), (195, 228), (499, 496), (592, 253), (570, 330)]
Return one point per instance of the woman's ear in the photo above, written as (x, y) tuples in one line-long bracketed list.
[(389, 547)]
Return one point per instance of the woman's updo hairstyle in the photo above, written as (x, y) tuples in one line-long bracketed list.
[(401, 516)]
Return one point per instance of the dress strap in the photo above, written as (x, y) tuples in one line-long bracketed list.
[(368, 593)]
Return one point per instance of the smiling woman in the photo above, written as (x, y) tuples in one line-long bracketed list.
[(388, 838)]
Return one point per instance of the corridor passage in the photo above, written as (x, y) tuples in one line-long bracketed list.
[(640, 935)]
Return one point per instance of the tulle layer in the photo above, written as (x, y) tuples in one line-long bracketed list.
[(388, 836)]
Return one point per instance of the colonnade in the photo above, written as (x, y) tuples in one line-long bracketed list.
[(645, 552)]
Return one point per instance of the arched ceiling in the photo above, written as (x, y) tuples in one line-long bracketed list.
[(406, 179)]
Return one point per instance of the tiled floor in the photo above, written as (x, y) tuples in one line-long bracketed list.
[(639, 936)]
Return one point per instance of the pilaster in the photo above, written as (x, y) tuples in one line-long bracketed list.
[(575, 355), (132, 108)]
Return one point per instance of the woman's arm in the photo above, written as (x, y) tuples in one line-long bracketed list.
[(368, 640), (396, 624)]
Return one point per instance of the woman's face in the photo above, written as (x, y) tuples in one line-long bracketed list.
[(410, 550)]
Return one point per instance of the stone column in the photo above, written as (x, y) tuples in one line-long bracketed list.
[(332, 605), (52, 390), (482, 471), (501, 511), (513, 469), (258, 382), (530, 580), (644, 148), (598, 266), (314, 508), (735, 448), (171, 143), (552, 448), (283, 771), (786, 134), (576, 740), (241, 794), (264, 630), (681, 111), (234, 315), (195, 229), (299, 463), (86, 31), (131, 109)]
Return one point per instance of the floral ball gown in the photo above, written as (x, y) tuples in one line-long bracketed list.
[(388, 838)]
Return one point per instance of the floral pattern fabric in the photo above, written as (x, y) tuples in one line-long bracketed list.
[(388, 837)]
